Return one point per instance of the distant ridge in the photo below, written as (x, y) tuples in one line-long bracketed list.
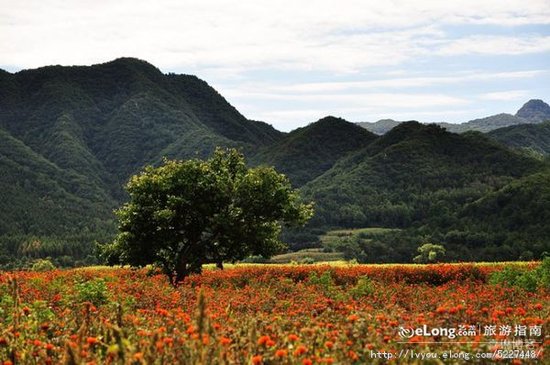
[(534, 111)]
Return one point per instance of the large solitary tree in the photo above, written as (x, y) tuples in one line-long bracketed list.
[(187, 213)]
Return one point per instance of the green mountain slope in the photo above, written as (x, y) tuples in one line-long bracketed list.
[(413, 174), (122, 114), (530, 137), (71, 137), (40, 198), (509, 223), (307, 152)]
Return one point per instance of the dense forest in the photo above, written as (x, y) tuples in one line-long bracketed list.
[(70, 137)]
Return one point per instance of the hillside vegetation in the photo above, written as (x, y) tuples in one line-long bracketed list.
[(529, 137), (70, 138), (307, 152)]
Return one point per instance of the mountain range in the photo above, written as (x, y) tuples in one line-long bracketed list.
[(70, 137), (532, 112)]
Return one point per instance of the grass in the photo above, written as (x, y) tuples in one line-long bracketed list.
[(332, 236), (315, 254)]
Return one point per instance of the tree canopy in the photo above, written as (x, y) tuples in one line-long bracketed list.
[(187, 213)]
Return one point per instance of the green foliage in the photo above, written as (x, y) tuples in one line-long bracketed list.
[(309, 255), (530, 280), (70, 137), (93, 291), (254, 259), (323, 281), (184, 214), (363, 288), (307, 261), (413, 174), (42, 265), (530, 137), (372, 245), (429, 252), (307, 152)]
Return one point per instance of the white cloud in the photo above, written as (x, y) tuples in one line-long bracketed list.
[(402, 100), (493, 45), (510, 95), (386, 83), (338, 36), (223, 41)]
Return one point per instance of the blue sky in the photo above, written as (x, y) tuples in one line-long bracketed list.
[(290, 63)]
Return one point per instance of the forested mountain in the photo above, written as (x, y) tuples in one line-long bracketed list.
[(307, 152), (534, 111), (530, 137), (515, 217), (413, 173), (70, 137)]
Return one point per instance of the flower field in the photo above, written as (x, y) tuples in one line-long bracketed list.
[(270, 314)]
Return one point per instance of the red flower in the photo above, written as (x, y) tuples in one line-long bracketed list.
[(263, 340), (300, 350), (293, 337), (225, 341)]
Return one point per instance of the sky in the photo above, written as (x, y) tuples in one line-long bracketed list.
[(290, 63)]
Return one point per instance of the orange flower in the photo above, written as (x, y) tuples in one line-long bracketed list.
[(300, 350), (257, 360), (353, 318), (92, 340), (329, 344), (293, 337), (225, 341), (281, 353), (263, 340), (307, 362)]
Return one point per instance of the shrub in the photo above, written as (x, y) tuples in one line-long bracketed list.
[(42, 265), (363, 287), (255, 259), (529, 280), (93, 291)]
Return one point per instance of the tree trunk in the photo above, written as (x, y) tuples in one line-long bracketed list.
[(219, 265), (181, 270)]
